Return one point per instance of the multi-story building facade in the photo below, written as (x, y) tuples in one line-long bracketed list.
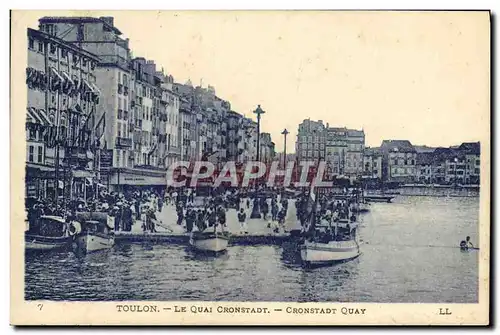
[(472, 153), (425, 167), (267, 150), (234, 150), (372, 163), (61, 136), (399, 161), (455, 165), (336, 150), (354, 154), (311, 140), (341, 148)]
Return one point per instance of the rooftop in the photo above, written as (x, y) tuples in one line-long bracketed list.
[(397, 145), (470, 147), (108, 21)]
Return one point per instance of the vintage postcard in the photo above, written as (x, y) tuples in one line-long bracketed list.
[(250, 167)]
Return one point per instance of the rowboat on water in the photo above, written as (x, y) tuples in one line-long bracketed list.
[(209, 241), (49, 233), (378, 198), (328, 246), (95, 236)]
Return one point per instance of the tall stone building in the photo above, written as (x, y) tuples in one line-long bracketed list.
[(372, 163), (61, 135), (267, 150), (336, 151), (311, 140), (399, 161), (354, 155)]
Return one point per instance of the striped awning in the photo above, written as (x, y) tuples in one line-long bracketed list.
[(95, 89), (89, 87), (56, 73), (37, 116), (68, 78)]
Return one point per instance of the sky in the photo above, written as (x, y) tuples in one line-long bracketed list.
[(396, 75)]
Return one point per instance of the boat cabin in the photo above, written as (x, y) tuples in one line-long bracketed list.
[(97, 227), (49, 226)]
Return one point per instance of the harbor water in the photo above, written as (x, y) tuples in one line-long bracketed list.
[(409, 254)]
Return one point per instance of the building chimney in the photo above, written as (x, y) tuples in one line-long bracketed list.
[(109, 20)]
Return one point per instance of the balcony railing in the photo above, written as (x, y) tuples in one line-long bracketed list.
[(123, 142)]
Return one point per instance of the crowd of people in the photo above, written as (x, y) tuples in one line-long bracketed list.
[(319, 219), (197, 211)]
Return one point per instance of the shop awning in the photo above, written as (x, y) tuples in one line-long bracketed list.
[(37, 116), (95, 89), (44, 117), (32, 116), (68, 78), (89, 87), (57, 74)]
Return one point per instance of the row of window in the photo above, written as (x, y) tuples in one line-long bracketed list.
[(311, 139), (62, 53), (122, 129), (402, 162), (35, 156), (402, 171)]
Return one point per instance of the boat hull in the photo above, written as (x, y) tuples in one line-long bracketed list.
[(378, 198), (91, 242), (44, 243), (313, 253), (209, 242)]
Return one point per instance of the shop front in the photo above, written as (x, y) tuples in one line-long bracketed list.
[(39, 181), (132, 179)]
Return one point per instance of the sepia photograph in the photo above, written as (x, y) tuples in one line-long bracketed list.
[(245, 167)]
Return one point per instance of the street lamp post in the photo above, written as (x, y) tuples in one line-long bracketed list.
[(259, 112), (456, 161), (284, 132), (256, 208)]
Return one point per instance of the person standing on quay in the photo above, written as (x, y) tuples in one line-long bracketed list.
[(160, 203), (180, 214), (242, 218), (190, 220), (137, 206), (127, 217), (274, 210)]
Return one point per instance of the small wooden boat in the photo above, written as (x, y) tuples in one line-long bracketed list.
[(94, 236), (209, 241), (48, 233), (326, 248), (379, 198)]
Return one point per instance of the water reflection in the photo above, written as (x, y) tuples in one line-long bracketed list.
[(395, 265)]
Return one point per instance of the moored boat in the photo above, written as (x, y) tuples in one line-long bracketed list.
[(209, 241), (329, 246), (95, 236), (49, 233), (379, 198)]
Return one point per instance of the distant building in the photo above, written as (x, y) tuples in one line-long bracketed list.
[(372, 163), (267, 152), (311, 140), (399, 161), (425, 169), (354, 155), (472, 153), (336, 150)]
